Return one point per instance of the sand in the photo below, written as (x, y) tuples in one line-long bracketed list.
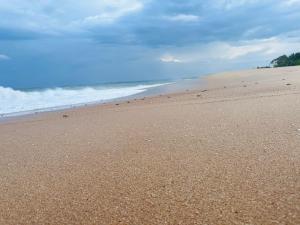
[(228, 153)]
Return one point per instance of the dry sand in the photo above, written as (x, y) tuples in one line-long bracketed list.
[(226, 154)]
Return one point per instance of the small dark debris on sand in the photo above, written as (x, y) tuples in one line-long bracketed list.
[(283, 79), (117, 104), (198, 96), (65, 116), (245, 86), (288, 84), (169, 97), (225, 87), (204, 91), (128, 102)]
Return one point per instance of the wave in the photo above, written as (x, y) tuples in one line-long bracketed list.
[(17, 101)]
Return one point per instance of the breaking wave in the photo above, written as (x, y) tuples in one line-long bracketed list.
[(17, 101)]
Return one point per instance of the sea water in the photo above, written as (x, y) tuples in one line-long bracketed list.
[(18, 102)]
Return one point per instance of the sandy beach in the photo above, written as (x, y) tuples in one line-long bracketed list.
[(226, 153)]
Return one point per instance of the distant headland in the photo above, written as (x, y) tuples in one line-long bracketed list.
[(284, 60)]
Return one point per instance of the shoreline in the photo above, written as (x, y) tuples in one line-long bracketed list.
[(167, 88), (223, 153), (173, 87)]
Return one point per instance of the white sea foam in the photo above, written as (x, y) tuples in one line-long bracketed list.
[(16, 101)]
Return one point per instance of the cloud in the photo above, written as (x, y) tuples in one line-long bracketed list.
[(229, 52), (113, 15), (175, 23), (54, 17), (169, 59), (291, 2), (165, 37), (232, 52), (267, 47), (183, 18), (4, 57), (149, 23), (232, 4)]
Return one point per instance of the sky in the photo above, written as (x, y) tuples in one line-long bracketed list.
[(52, 43)]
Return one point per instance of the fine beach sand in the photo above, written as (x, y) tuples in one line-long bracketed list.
[(227, 153)]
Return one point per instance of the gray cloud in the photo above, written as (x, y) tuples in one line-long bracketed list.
[(150, 23), (56, 17), (4, 57)]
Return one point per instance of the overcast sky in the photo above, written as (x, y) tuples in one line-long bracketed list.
[(63, 42)]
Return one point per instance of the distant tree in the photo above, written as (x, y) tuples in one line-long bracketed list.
[(295, 59), (280, 61), (292, 60)]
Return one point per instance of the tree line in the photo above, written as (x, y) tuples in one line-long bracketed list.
[(284, 60)]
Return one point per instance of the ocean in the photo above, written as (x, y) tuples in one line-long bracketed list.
[(26, 101)]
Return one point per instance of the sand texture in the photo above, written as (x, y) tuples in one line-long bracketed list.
[(228, 153)]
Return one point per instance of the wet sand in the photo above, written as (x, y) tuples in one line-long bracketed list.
[(227, 153)]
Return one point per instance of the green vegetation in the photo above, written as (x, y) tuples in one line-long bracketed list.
[(292, 60)]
